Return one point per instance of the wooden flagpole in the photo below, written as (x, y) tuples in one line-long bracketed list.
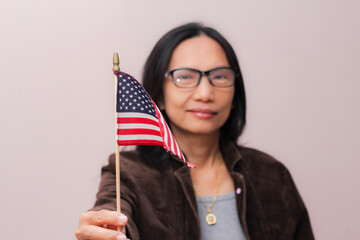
[(116, 67)]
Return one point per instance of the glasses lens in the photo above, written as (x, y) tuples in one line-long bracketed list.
[(185, 78), (222, 77)]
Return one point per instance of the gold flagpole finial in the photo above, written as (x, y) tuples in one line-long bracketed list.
[(116, 62)]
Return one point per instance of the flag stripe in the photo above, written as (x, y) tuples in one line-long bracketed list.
[(139, 142), (136, 115), (138, 126), (138, 131), (139, 137), (136, 120)]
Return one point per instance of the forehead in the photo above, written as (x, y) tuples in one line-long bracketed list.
[(200, 52)]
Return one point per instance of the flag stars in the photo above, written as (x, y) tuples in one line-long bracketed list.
[(133, 98)]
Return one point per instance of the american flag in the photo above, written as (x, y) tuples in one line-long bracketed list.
[(139, 120)]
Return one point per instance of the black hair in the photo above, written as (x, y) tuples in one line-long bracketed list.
[(159, 59)]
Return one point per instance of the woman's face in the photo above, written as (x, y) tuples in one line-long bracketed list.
[(203, 109)]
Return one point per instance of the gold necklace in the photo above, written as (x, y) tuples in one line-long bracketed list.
[(210, 217)]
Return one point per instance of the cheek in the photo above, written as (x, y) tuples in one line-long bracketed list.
[(173, 102), (172, 97), (228, 99), (228, 104)]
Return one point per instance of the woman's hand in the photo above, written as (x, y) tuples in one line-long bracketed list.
[(101, 225)]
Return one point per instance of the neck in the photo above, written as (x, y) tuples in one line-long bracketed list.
[(201, 150)]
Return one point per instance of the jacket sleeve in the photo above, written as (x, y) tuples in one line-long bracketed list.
[(303, 229), (106, 196)]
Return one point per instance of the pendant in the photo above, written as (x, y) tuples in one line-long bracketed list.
[(210, 219)]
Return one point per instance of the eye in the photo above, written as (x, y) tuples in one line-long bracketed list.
[(185, 75), (220, 76)]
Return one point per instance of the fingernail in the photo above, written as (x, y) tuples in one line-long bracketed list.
[(121, 237), (122, 219)]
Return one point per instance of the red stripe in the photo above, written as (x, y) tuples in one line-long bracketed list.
[(137, 120), (139, 142), (160, 118), (138, 131)]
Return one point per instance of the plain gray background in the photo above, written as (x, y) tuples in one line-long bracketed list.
[(300, 61)]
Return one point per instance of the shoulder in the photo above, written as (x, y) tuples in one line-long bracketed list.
[(256, 157), (129, 161), (138, 164), (262, 166), (126, 158)]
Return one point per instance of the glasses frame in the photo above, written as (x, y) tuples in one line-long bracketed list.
[(202, 73)]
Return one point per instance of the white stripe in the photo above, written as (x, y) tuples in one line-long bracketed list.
[(137, 126), (139, 137), (178, 148), (163, 123), (172, 141), (136, 115)]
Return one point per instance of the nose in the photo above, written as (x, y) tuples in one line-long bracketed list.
[(204, 91)]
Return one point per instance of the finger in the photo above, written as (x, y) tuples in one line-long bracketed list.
[(112, 227), (103, 217), (91, 232)]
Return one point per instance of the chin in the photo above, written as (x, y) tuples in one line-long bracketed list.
[(202, 130)]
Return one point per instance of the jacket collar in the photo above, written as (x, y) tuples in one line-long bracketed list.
[(230, 154)]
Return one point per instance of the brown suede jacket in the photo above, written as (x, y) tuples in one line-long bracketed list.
[(160, 201)]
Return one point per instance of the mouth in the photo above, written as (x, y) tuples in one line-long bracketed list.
[(202, 113)]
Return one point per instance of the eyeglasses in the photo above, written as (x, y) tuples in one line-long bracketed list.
[(189, 78)]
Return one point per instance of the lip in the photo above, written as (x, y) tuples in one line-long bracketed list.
[(202, 113)]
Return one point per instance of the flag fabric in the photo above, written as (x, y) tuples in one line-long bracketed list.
[(139, 120)]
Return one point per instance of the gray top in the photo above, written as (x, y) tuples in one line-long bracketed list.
[(227, 225)]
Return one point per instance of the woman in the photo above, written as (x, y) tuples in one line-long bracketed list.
[(233, 193)]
